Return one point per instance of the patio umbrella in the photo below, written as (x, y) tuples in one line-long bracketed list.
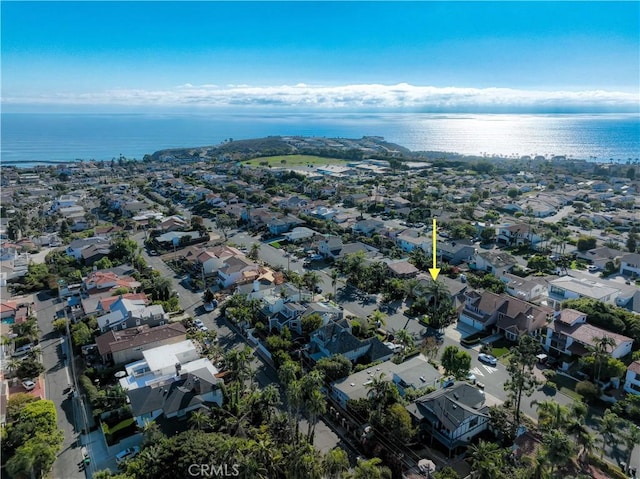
[(426, 465)]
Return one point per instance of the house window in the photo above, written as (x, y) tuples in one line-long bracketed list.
[(138, 322), (473, 422)]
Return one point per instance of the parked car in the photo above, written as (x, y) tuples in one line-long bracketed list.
[(29, 385), (198, 323), (22, 350), (592, 268), (471, 378), (488, 359), (128, 453)]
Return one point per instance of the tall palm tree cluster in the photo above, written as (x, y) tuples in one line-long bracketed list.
[(249, 436), (564, 446)]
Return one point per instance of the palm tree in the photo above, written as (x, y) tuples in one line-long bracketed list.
[(631, 438), (405, 339), (609, 429), (335, 463), (377, 319), (316, 405), (558, 449), (487, 460), (439, 309), (601, 353), (551, 415), (295, 399), (371, 469), (311, 280), (334, 281), (254, 251), (198, 420)]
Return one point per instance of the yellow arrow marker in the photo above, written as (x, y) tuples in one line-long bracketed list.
[(434, 271)]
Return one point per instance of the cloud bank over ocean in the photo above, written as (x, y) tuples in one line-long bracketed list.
[(356, 97)]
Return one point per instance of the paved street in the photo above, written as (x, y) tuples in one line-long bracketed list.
[(57, 380)]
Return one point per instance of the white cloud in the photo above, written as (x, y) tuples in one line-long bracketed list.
[(348, 97)]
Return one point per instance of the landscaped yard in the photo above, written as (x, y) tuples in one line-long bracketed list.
[(295, 160), (567, 386)]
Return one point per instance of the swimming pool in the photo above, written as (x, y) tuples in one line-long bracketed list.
[(10, 320)]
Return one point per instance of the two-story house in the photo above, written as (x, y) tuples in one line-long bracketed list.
[(518, 234), (510, 316), (574, 286), (336, 338), (75, 248), (367, 227), (570, 337), (452, 416), (170, 381), (630, 264), (127, 345), (497, 263), (632, 378), (126, 313)]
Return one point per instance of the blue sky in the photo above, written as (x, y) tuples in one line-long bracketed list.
[(424, 56)]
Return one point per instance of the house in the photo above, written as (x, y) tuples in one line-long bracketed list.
[(408, 240), (101, 281), (511, 316), (74, 249), (127, 345), (237, 270), (456, 252), (601, 256), (126, 313), (452, 416), (518, 234), (175, 238), (402, 269), (173, 223), (527, 289), (570, 337), (630, 264), (336, 338), (355, 199), (497, 263), (367, 227), (100, 303), (412, 375), (323, 212), (574, 285), (176, 397), (299, 234), (281, 225), (94, 252), (333, 248), (289, 315), (632, 379)]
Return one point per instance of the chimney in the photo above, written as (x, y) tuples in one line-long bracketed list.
[(178, 368), (197, 387)]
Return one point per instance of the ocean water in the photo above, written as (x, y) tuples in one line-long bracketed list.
[(29, 138)]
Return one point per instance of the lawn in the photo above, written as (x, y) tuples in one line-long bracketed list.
[(567, 386), (294, 160)]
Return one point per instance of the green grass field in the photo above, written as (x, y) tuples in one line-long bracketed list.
[(294, 160)]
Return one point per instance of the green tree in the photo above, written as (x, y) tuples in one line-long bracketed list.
[(632, 240), (586, 243), (335, 367), (488, 235), (310, 323), (371, 469), (335, 463), (609, 429), (81, 334), (630, 438), (225, 223), (559, 450), (455, 362), (29, 368), (487, 460), (521, 365)]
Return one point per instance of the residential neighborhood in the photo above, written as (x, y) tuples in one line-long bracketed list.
[(237, 294)]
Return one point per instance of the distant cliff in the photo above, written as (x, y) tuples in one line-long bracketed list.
[(350, 149)]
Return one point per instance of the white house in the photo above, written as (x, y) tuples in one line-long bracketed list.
[(171, 380), (630, 264), (573, 286), (632, 379), (570, 334)]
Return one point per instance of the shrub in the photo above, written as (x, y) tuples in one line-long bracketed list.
[(549, 374), (587, 389)]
